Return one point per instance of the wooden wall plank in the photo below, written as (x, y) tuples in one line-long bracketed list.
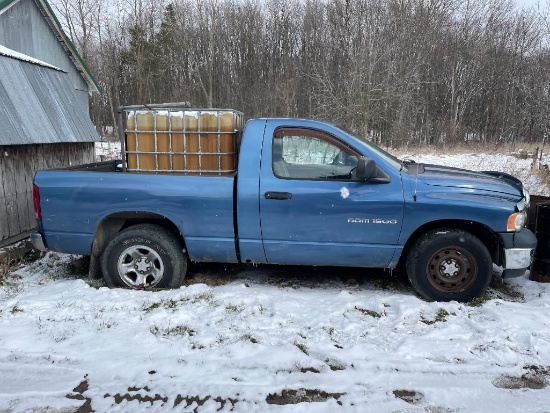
[(16, 177), (31, 166), (10, 191), (21, 190), (4, 228), (28, 175)]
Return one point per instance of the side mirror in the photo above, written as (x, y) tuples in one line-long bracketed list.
[(366, 169)]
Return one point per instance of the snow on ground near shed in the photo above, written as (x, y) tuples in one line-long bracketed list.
[(341, 339)]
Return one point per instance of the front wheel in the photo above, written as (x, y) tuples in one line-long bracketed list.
[(144, 256), (449, 264)]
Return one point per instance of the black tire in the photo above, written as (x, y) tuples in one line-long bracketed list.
[(144, 256), (449, 264)]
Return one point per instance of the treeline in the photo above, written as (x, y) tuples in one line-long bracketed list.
[(393, 71)]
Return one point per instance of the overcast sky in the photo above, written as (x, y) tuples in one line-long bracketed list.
[(527, 3)]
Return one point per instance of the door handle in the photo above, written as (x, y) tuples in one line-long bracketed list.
[(278, 195)]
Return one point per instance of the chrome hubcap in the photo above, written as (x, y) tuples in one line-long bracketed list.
[(140, 266)]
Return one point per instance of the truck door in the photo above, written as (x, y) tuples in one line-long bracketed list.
[(314, 211)]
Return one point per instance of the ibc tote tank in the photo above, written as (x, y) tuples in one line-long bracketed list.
[(162, 139), (140, 141)]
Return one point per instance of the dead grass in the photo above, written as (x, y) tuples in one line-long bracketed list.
[(13, 256), (4, 269), (543, 174), (211, 274)]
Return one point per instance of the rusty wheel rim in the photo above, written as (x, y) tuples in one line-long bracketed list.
[(451, 269)]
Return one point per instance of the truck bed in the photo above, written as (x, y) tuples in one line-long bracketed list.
[(76, 200)]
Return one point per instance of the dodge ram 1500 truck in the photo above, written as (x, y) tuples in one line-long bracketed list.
[(304, 193)]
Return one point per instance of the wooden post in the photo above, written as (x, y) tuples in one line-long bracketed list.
[(535, 158)]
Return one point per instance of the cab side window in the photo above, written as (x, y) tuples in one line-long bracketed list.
[(313, 155)]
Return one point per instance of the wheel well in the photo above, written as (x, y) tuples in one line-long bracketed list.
[(113, 224), (485, 235)]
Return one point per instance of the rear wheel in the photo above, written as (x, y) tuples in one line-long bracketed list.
[(449, 264), (144, 256)]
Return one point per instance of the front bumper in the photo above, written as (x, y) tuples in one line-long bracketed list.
[(37, 241), (518, 252), (517, 258)]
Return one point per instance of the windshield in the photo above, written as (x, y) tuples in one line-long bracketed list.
[(389, 158)]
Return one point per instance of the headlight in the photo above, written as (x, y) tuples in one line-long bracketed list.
[(516, 221), (524, 203)]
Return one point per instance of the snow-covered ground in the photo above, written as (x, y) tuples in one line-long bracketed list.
[(107, 149), (248, 339)]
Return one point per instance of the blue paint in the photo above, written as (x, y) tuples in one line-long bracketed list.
[(344, 222)]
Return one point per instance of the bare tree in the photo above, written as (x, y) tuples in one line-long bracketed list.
[(394, 71)]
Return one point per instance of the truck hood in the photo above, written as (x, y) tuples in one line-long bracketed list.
[(493, 182)]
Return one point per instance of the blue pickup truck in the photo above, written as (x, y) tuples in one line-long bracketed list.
[(304, 193)]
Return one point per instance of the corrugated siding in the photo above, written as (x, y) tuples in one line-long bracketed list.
[(40, 105), (24, 29)]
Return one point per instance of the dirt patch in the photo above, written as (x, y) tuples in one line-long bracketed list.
[(189, 400), (79, 266), (368, 312), (334, 365), (291, 396), (293, 277), (13, 256), (296, 277), (212, 274), (309, 370), (298, 369), (535, 377), (440, 409), (19, 252), (119, 398), (78, 394), (409, 396), (133, 395), (499, 288)]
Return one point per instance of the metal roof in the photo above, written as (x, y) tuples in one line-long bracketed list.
[(38, 105), (69, 47)]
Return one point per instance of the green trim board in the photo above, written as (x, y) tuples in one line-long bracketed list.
[(67, 44)]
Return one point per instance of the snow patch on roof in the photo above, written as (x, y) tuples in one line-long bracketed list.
[(20, 56)]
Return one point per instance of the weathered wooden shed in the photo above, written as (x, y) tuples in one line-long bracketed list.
[(44, 119)]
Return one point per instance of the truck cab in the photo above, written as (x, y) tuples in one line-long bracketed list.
[(311, 206)]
